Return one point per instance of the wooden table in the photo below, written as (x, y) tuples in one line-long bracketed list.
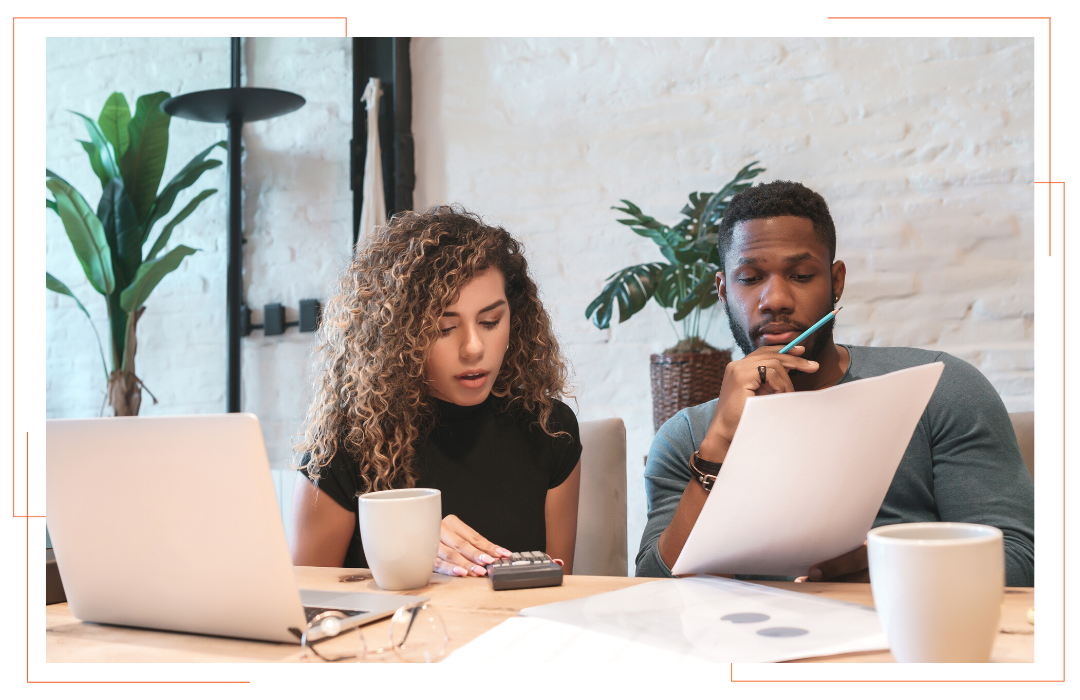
[(469, 608)]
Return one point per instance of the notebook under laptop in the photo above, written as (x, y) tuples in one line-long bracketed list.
[(172, 523)]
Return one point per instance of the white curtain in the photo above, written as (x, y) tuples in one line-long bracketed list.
[(373, 209)]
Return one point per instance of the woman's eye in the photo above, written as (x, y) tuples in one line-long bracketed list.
[(446, 331), (490, 325)]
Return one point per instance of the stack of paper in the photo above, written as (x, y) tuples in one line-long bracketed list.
[(682, 621)]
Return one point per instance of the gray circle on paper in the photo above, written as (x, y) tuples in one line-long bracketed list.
[(739, 618), (782, 632)]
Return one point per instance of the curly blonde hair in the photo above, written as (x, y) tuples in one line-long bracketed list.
[(370, 396)]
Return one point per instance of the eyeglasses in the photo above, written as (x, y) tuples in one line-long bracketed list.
[(417, 634)]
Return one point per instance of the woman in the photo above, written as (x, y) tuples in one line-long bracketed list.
[(437, 367)]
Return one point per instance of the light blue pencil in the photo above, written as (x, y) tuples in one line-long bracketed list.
[(828, 317)]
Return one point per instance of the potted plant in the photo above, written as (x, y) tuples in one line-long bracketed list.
[(690, 372), (127, 153)]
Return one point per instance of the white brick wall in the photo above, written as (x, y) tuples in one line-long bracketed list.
[(922, 147), (297, 219)]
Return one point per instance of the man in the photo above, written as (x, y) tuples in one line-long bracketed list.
[(778, 277)]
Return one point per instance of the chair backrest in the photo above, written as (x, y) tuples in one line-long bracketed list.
[(1024, 427), (600, 547)]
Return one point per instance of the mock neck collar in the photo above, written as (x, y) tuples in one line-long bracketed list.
[(453, 412)]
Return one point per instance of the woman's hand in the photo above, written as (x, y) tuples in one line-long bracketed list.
[(463, 551)]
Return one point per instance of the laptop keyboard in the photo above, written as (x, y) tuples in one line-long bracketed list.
[(311, 611)]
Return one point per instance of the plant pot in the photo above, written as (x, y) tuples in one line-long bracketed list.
[(684, 379)]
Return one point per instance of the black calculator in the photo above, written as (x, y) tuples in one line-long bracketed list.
[(524, 570)]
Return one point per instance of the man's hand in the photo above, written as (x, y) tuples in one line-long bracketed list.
[(846, 568), (463, 551), (742, 379)]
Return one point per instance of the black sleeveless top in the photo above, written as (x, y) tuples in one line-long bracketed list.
[(494, 468)]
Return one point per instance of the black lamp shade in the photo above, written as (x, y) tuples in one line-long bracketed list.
[(249, 104)]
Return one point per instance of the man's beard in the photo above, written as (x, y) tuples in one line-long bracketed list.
[(812, 345)]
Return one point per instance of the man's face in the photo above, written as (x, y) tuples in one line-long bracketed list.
[(778, 282)]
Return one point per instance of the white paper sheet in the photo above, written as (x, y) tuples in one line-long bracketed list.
[(806, 474), (536, 640), (684, 620)]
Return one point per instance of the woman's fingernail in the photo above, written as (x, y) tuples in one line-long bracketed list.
[(504, 552), (479, 570), (460, 571), (486, 558)]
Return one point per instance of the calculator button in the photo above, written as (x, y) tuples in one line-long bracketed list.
[(520, 562), (539, 555)]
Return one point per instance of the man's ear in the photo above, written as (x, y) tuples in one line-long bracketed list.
[(839, 274), (721, 288)]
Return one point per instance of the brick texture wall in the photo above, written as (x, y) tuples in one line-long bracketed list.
[(297, 221), (922, 147)]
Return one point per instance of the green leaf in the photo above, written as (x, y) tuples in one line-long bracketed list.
[(667, 290), (181, 181), (94, 155), (113, 120), (122, 231), (144, 160), (61, 288), (49, 204), (630, 288), (149, 275), (163, 239), (49, 173), (106, 155), (717, 203), (702, 295), (86, 234)]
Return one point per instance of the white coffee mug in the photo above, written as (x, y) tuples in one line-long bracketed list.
[(938, 589), (400, 532)]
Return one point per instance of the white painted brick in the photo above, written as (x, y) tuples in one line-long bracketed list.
[(980, 275), (296, 198), (922, 147)]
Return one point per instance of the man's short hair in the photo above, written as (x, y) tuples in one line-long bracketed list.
[(780, 198)]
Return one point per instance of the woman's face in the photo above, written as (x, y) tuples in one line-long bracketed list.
[(475, 332)]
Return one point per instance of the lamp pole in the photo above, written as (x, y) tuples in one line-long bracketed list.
[(233, 106), (234, 274)]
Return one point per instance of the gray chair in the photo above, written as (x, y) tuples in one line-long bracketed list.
[(600, 547), (1024, 427)]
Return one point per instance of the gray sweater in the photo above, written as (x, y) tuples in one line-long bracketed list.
[(962, 464)]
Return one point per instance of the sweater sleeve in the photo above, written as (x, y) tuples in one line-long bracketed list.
[(667, 472), (978, 471)]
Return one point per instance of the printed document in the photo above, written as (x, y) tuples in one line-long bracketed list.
[(680, 621), (806, 474)]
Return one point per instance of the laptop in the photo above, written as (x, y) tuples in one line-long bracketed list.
[(172, 523)]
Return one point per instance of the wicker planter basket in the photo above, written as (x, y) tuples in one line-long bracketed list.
[(684, 379)]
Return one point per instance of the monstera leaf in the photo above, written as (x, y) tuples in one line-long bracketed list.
[(630, 288), (686, 283)]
